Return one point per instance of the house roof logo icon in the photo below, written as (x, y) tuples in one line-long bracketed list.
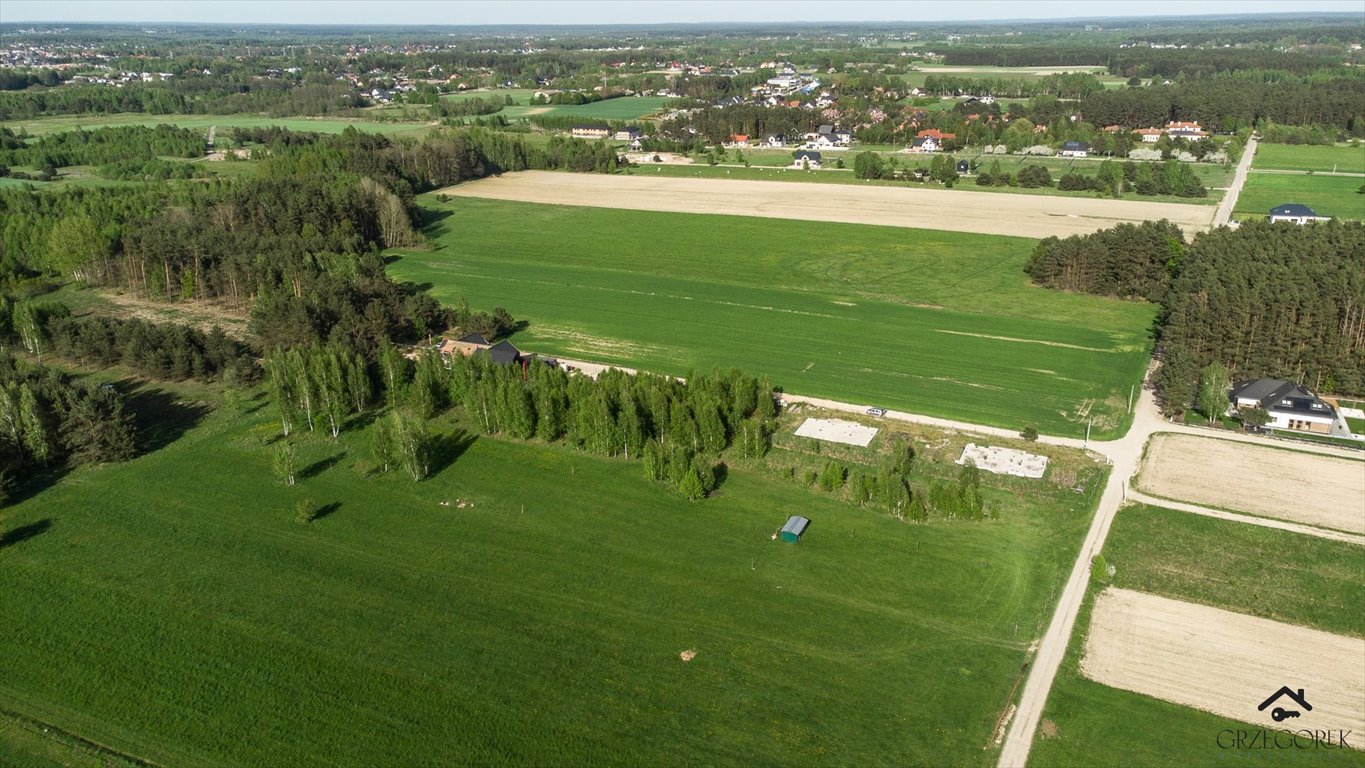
[(1280, 713)]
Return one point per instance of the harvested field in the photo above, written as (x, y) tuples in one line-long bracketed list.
[(1223, 662), (981, 212), (1305, 488)]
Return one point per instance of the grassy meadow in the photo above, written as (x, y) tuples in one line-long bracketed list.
[(171, 609), (932, 322), (1275, 574), (1310, 157), (1335, 196)]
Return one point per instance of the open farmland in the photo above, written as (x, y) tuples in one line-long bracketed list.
[(1223, 662), (1310, 157), (929, 322), (954, 211), (1242, 568), (1335, 196), (395, 629), (1274, 482)]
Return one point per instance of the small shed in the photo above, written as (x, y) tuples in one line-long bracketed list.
[(796, 525)]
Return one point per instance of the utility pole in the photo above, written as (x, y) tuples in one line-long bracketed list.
[(1087, 432)]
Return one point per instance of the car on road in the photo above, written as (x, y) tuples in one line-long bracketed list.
[(876, 412)]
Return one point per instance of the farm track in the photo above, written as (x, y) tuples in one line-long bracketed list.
[(948, 210)]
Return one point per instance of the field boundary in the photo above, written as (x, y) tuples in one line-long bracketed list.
[(62, 735)]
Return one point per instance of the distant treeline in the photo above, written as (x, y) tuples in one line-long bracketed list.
[(1265, 300), (1073, 85), (201, 95), (103, 146), (1139, 61)]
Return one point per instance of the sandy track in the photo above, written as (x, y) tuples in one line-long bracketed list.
[(1324, 491), (990, 213), (1223, 662)]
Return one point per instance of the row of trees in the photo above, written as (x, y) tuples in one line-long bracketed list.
[(1127, 261), (166, 351), (103, 146)]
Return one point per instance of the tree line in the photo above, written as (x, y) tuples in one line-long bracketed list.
[(102, 146), (165, 351)]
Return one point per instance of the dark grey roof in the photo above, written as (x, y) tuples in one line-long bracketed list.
[(921, 141), (807, 154), (503, 353), (825, 129), (1292, 209), (475, 338), (1281, 396), (796, 524), (1075, 146)]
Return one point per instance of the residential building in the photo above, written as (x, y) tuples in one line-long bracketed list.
[(592, 131), (1075, 149), (1290, 405), (806, 159), (1296, 212)]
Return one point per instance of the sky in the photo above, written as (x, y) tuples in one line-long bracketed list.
[(463, 12)]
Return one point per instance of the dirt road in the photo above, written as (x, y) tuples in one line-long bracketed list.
[(1229, 200), (1264, 522), (990, 213)]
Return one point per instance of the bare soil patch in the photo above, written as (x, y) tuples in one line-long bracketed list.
[(1319, 490), (198, 314), (943, 209), (1223, 662)]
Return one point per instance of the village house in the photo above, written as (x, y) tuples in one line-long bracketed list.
[(1183, 130), (806, 159), (1290, 405), (775, 140), (1296, 212), (924, 144), (1075, 149), (592, 131), (629, 133), (1149, 135)]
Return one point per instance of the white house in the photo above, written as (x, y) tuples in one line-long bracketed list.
[(1290, 405), (1295, 212), (1149, 135), (1179, 129), (806, 159), (924, 144), (775, 140), (1075, 149)]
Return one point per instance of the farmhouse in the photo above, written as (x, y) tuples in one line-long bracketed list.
[(1295, 212), (1182, 130), (465, 345), (1075, 149), (592, 131), (1290, 405), (806, 158)]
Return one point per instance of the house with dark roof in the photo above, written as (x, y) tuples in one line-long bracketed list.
[(1075, 149), (924, 144), (504, 353), (1295, 212), (1290, 405), (806, 158), (465, 345)]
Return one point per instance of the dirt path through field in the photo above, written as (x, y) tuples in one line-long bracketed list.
[(1223, 662), (988, 213), (1324, 491)]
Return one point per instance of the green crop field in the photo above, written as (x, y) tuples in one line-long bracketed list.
[(171, 609), (1310, 157), (1248, 569), (1335, 196), (39, 126), (931, 322)]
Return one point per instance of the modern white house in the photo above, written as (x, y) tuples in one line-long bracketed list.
[(1297, 213), (1290, 405), (1075, 149)]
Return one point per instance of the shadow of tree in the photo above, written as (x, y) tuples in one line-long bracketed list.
[(447, 448), (326, 510), (159, 416), (318, 467), (24, 532)]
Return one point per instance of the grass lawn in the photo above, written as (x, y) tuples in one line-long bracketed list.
[(624, 108), (1310, 157), (172, 609), (931, 322), (43, 125), (1335, 196), (1248, 569)]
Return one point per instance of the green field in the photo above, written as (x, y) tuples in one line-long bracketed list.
[(171, 609), (1335, 196), (1248, 569), (1310, 157), (43, 125), (931, 322)]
